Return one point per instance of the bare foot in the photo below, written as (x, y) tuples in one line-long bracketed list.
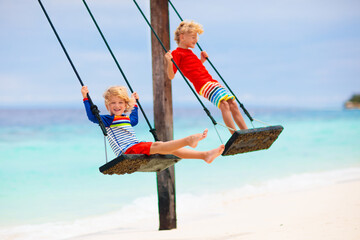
[(212, 154), (195, 138)]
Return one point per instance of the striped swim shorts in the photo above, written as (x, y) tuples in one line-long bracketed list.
[(215, 93)]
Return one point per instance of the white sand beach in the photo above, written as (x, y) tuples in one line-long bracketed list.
[(327, 212)]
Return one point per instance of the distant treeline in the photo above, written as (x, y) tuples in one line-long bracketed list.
[(355, 98)]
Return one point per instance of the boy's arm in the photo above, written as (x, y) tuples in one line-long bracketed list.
[(203, 56), (169, 67), (134, 116), (107, 120)]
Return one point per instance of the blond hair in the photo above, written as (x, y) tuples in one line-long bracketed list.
[(121, 92), (187, 26)]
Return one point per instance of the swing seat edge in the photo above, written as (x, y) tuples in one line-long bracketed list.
[(250, 140), (130, 163)]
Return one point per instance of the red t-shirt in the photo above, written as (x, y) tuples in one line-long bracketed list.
[(192, 67)]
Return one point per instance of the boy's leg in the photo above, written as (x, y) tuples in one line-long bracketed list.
[(217, 94), (235, 111), (227, 117), (207, 156), (171, 146)]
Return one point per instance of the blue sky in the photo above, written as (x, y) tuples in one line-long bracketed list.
[(298, 53)]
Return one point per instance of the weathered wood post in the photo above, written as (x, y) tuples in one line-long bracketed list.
[(163, 112)]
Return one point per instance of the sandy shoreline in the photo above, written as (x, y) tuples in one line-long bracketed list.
[(328, 212)]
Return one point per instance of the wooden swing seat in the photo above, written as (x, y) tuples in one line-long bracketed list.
[(249, 140), (130, 163), (241, 141)]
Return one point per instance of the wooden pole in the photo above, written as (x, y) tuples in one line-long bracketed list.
[(163, 112)]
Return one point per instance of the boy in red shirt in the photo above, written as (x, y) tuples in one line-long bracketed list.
[(186, 36)]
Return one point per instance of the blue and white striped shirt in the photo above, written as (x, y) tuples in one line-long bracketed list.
[(120, 132)]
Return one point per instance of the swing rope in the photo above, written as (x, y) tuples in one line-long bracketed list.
[(266, 124), (152, 130), (93, 107), (106, 157), (172, 60), (241, 105)]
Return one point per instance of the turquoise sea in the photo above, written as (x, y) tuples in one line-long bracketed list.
[(49, 177)]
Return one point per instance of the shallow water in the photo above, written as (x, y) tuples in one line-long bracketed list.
[(50, 159)]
